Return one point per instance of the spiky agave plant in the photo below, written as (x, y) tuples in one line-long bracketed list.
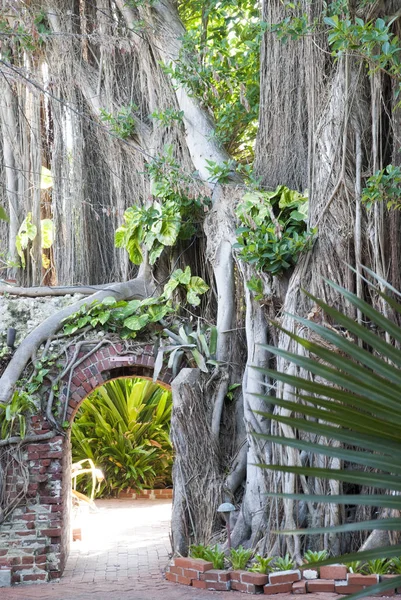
[(123, 427), (359, 406)]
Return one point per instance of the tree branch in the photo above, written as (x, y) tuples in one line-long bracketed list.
[(135, 288)]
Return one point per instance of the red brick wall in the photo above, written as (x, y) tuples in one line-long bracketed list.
[(35, 538)]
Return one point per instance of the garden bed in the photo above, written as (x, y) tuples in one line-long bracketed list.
[(200, 574)]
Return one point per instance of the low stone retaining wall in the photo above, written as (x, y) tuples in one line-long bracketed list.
[(334, 578)]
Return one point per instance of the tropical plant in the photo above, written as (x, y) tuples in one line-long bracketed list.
[(28, 232), (123, 427), (123, 317), (359, 407), (377, 566), (355, 566), (312, 556), (239, 557), (273, 229), (212, 554), (13, 415), (127, 318), (395, 565), (122, 124), (262, 564), (283, 563), (199, 345)]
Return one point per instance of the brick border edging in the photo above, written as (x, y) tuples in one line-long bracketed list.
[(200, 574), (158, 494)]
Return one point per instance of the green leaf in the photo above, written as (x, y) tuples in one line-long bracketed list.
[(183, 277), (169, 288), (197, 285), (169, 230), (213, 341), (200, 361), (137, 322), (3, 215), (46, 179), (155, 253), (47, 233), (109, 301), (157, 312), (193, 298), (27, 232), (134, 251)]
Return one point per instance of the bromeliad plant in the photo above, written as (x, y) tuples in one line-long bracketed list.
[(239, 557), (212, 554), (283, 563), (359, 406), (198, 344), (123, 427), (262, 564), (312, 556)]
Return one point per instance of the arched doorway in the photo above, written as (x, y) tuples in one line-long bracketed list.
[(106, 364), (122, 427)]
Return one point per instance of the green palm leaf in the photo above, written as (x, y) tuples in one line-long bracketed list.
[(359, 406), (124, 427)]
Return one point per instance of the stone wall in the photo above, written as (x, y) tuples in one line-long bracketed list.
[(24, 314)]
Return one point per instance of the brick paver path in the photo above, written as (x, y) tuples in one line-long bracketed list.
[(122, 556), (124, 550)]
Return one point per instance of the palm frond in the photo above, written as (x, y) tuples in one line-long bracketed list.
[(353, 396)]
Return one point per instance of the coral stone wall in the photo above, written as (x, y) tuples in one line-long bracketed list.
[(35, 538)]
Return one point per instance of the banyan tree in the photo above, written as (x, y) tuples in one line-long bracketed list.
[(257, 145)]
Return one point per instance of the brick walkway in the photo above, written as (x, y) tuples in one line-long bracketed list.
[(124, 550), (122, 556)]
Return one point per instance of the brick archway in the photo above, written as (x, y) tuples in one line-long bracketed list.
[(34, 542), (107, 363)]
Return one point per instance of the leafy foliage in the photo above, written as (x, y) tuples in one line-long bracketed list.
[(359, 406), (210, 553), (156, 227), (122, 124), (127, 318), (123, 427), (355, 566), (167, 116), (13, 415), (283, 563), (262, 564), (163, 222), (372, 40), (199, 345), (396, 565), (239, 557), (219, 64), (378, 566), (384, 186), (28, 232), (273, 231), (194, 286), (312, 556), (123, 317)]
